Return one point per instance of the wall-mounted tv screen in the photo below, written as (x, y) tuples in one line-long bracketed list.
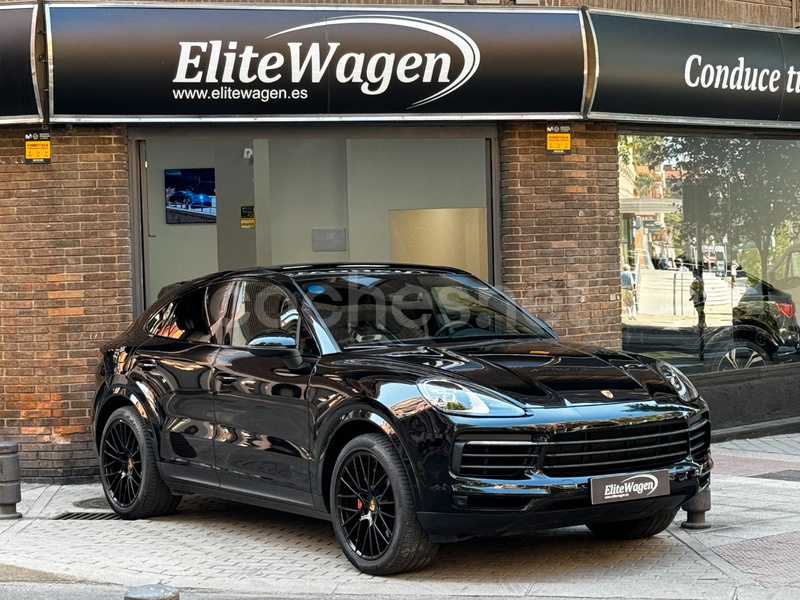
[(191, 196)]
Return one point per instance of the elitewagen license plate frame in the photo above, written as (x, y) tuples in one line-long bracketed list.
[(630, 486)]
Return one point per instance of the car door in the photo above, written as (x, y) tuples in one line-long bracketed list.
[(263, 433), (174, 367)]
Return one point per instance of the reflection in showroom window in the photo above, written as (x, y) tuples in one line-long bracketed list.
[(710, 230)]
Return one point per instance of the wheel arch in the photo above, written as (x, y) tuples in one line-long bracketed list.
[(118, 397), (350, 425), (758, 336), (743, 333)]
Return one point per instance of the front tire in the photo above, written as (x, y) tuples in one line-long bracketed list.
[(372, 509), (635, 528), (128, 471)]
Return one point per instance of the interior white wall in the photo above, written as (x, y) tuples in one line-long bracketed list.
[(176, 252), (236, 247), (262, 198), (308, 190), (404, 174)]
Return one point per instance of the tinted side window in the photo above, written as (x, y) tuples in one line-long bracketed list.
[(197, 316), (190, 321), (159, 323), (307, 344), (262, 306), (218, 299)]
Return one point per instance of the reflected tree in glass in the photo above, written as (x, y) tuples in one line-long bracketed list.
[(753, 186)]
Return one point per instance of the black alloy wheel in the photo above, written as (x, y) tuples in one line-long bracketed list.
[(366, 505), (373, 511), (128, 471), (122, 463), (742, 355)]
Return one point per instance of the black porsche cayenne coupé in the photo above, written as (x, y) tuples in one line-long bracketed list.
[(408, 405)]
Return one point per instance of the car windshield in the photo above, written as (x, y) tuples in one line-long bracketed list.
[(375, 308)]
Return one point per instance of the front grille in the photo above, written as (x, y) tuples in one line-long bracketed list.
[(586, 452), (606, 450), (700, 436), (498, 459)]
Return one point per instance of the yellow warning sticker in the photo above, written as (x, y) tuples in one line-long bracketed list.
[(37, 150), (559, 141)]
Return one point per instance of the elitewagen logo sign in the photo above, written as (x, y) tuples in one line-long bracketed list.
[(618, 488), (372, 73), (246, 63)]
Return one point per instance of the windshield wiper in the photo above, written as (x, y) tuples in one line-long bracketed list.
[(373, 346), (497, 338)]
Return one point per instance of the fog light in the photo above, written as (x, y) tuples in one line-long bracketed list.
[(460, 501)]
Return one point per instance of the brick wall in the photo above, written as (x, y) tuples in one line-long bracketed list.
[(773, 13), (560, 229), (65, 287)]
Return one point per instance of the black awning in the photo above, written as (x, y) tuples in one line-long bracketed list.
[(651, 68), (19, 102)]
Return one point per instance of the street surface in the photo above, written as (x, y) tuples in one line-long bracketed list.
[(215, 549)]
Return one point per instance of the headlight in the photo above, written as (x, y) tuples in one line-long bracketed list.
[(471, 400), (683, 387)]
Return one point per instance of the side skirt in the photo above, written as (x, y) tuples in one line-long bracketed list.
[(201, 490)]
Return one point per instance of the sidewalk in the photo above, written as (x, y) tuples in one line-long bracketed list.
[(215, 549)]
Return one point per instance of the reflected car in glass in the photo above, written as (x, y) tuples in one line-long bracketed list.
[(764, 332), (408, 405)]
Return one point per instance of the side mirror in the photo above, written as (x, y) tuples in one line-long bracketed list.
[(276, 343), (274, 339)]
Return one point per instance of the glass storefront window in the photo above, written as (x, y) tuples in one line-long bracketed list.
[(710, 232), (216, 204)]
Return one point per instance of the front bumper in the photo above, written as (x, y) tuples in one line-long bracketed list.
[(495, 509)]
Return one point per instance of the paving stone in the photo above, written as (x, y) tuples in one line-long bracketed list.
[(218, 545), (747, 467), (788, 444), (231, 544), (770, 559), (788, 475)]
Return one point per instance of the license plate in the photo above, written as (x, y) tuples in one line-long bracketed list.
[(618, 488)]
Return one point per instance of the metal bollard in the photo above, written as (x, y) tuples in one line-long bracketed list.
[(152, 592), (696, 509), (10, 491)]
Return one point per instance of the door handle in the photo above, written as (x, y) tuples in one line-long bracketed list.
[(147, 365), (226, 379)]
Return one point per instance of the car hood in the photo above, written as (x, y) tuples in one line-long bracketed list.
[(538, 373)]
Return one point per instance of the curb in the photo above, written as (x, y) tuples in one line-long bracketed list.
[(755, 430)]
